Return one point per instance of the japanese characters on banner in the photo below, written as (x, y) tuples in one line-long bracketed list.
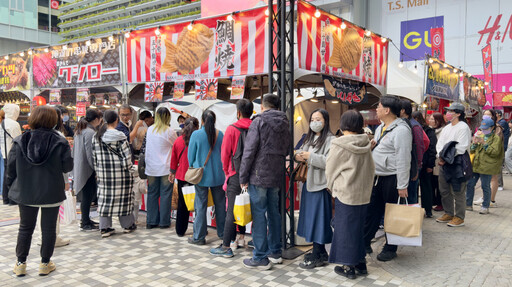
[(208, 48), (502, 99), (206, 89), (347, 93), (153, 92), (55, 97), (14, 74), (487, 62), (437, 42), (473, 93), (81, 109), (99, 99), (179, 90), (82, 95), (326, 46), (442, 82), (237, 88), (79, 65)]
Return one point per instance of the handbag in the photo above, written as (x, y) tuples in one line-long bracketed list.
[(195, 174), (175, 195), (242, 208), (301, 172), (403, 219)]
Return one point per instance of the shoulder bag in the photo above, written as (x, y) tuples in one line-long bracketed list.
[(194, 175)]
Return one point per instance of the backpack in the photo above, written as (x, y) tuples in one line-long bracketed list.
[(236, 159)]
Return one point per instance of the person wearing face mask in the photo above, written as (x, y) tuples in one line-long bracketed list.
[(316, 202), (488, 152), (66, 129)]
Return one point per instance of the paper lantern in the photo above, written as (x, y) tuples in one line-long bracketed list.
[(39, 101)]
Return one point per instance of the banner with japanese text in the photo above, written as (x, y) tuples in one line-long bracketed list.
[(437, 42), (14, 73), (81, 109), (487, 62), (179, 90), (153, 92), (237, 88), (474, 93), (345, 92), (207, 48), (78, 64), (442, 82), (55, 96), (206, 89), (333, 46)]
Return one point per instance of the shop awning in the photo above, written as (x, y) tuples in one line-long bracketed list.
[(403, 82)]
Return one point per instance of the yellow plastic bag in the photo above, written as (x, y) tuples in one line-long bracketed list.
[(242, 209), (189, 195), (210, 198)]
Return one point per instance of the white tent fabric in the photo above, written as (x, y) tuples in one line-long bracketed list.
[(403, 82)]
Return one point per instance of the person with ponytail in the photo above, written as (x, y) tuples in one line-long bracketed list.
[(159, 141), (179, 166), (204, 144), (83, 169), (112, 162)]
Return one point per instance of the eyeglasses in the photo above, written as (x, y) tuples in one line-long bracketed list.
[(126, 115)]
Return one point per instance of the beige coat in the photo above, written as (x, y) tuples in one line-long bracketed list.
[(350, 169)]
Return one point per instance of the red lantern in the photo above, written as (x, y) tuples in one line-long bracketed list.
[(39, 101)]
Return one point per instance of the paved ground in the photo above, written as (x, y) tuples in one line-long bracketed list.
[(479, 254)]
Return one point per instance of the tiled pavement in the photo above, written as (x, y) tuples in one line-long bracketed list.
[(479, 254)]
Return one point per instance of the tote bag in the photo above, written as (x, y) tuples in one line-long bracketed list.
[(403, 219)]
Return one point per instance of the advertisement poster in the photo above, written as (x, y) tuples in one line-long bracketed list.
[(78, 65), (437, 43), (346, 93), (54, 97), (326, 46), (502, 99), (99, 99), (153, 92), (237, 88), (81, 109), (415, 37), (487, 63), (14, 73), (206, 89), (442, 82), (113, 99), (207, 48), (179, 90), (473, 91), (82, 95)]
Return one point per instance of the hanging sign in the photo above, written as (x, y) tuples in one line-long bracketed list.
[(502, 99), (82, 95), (99, 99), (473, 92), (487, 62), (442, 82), (14, 74), (237, 88), (113, 98), (437, 42), (55, 97), (206, 89), (153, 92), (81, 109), (179, 90), (55, 4), (347, 93)]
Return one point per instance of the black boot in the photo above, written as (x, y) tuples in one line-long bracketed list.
[(346, 270), (361, 268)]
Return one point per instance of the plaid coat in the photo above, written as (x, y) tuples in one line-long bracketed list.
[(112, 162)]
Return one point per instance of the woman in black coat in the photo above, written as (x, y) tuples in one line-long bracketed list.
[(37, 160)]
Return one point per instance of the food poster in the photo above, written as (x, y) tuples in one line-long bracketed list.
[(345, 92), (206, 89), (442, 82), (14, 73), (473, 91), (81, 109), (207, 48), (502, 99), (78, 64), (99, 99), (330, 45), (82, 95), (179, 90), (153, 92), (113, 99), (237, 88), (55, 96)]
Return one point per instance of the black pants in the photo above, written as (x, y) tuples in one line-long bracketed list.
[(88, 192), (229, 226), (182, 214), (28, 220), (436, 194), (426, 190), (384, 191), (5, 190)]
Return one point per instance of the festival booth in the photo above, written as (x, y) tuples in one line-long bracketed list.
[(15, 82)]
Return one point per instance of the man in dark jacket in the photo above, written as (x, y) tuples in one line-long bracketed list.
[(262, 171), (506, 136)]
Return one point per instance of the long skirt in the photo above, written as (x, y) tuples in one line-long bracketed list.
[(348, 245), (315, 216)]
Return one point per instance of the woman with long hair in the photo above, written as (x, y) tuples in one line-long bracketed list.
[(179, 166), (159, 141), (36, 162), (83, 170), (204, 150), (112, 162), (437, 122), (316, 202)]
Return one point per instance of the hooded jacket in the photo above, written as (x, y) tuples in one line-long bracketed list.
[(392, 156), (350, 169), (316, 180), (12, 127), (265, 149), (35, 166), (229, 144)]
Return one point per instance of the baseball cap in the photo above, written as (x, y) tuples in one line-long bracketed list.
[(456, 107), (486, 123)]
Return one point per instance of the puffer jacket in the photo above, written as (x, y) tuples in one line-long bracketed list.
[(489, 156), (265, 148)]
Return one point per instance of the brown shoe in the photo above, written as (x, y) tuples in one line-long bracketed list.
[(445, 218), (456, 222)]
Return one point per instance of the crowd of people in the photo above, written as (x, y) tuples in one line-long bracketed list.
[(406, 154)]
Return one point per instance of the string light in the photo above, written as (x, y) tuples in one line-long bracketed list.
[(190, 26), (88, 42), (384, 40), (415, 68), (30, 52), (22, 54), (455, 70), (157, 31), (317, 13), (127, 35), (461, 74), (469, 74), (343, 25), (6, 57), (111, 38), (266, 13), (445, 65), (430, 60), (65, 47), (230, 17), (368, 33), (401, 64), (46, 50)]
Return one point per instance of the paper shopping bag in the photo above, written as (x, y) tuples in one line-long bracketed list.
[(404, 241), (175, 196), (403, 220), (189, 194), (242, 209), (210, 198), (67, 211)]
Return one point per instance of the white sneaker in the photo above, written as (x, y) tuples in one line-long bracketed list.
[(484, 210), (241, 242), (500, 188), (479, 201), (493, 204), (233, 245)]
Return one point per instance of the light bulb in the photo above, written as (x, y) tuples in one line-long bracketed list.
[(384, 40), (22, 54), (455, 70), (368, 33), (111, 38), (190, 27), (157, 32), (415, 69), (431, 60), (127, 35), (486, 83), (445, 65), (401, 64), (65, 47), (266, 13), (230, 18), (30, 52), (88, 42), (317, 13), (6, 57), (343, 26)]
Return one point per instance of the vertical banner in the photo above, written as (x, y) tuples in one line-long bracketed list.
[(179, 90), (206, 89), (437, 42), (82, 95), (154, 92), (237, 88), (81, 109), (55, 97), (487, 61), (99, 99)]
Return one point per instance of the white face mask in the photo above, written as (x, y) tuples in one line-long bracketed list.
[(316, 126)]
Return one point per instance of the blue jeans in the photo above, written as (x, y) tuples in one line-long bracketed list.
[(265, 200), (412, 192), (486, 188), (200, 206), (159, 187)]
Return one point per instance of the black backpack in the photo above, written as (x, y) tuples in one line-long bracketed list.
[(236, 159)]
